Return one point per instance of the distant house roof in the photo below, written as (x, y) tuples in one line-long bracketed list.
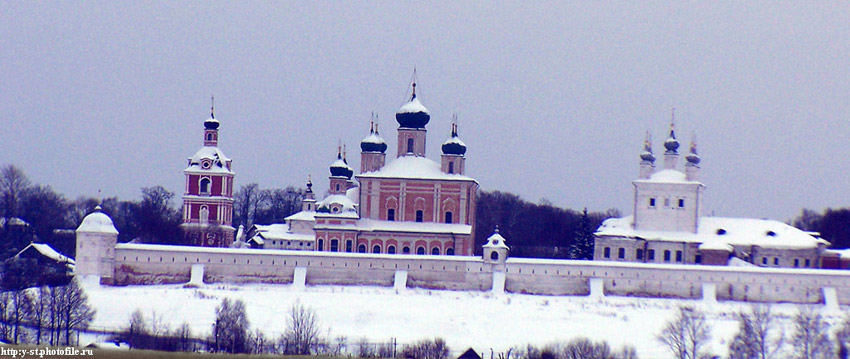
[(469, 354), (45, 251)]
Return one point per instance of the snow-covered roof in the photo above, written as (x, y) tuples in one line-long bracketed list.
[(13, 221), (219, 160), (97, 222), (716, 231), (413, 106), (302, 216), (279, 232), (348, 205), (373, 138), (454, 139), (414, 167), (370, 225), (496, 241), (48, 252), (667, 176)]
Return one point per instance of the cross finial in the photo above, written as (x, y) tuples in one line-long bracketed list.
[(212, 106)]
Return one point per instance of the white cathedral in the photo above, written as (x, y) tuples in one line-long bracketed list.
[(668, 224)]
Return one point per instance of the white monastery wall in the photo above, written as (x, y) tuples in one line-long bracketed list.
[(155, 264)]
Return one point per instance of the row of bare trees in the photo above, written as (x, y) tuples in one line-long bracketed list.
[(760, 335), (44, 315)]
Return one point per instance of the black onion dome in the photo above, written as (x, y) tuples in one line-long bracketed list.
[(211, 123), (454, 146), (340, 169), (373, 143), (672, 144), (693, 157), (413, 114), (647, 155)]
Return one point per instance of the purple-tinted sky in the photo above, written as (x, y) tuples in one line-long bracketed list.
[(553, 99)]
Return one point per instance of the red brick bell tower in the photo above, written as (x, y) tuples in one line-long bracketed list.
[(208, 194)]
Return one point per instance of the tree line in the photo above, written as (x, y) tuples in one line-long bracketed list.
[(833, 224), (44, 315)]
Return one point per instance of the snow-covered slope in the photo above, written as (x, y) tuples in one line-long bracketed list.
[(477, 319)]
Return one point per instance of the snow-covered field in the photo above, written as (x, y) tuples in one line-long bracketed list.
[(465, 319)]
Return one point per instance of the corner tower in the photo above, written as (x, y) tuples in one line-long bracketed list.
[(208, 194)]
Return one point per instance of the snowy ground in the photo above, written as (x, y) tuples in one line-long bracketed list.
[(465, 319)]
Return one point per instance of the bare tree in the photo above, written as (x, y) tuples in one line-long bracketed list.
[(183, 335), (137, 331), (686, 334), (302, 330), (75, 313), (758, 337), (40, 315), (13, 182), (811, 336), (20, 314), (230, 330)]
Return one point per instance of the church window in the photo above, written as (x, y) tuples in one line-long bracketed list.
[(376, 249), (361, 248), (808, 263), (621, 253), (420, 250), (405, 250), (391, 249), (494, 256), (796, 262), (650, 254), (450, 252), (209, 137), (337, 187), (391, 214), (764, 260), (334, 245), (652, 202), (435, 251), (321, 245), (678, 256), (204, 214), (666, 256), (451, 167), (776, 261), (348, 246), (606, 252), (639, 254), (449, 217), (409, 145), (681, 203), (205, 185), (419, 214)]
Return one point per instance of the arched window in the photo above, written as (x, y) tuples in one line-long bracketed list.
[(391, 249), (391, 214), (209, 137), (405, 250), (494, 256), (420, 250), (409, 145), (361, 248), (449, 217), (205, 185), (451, 167), (337, 187), (334, 245), (450, 252), (376, 249), (321, 245), (435, 251), (419, 215), (348, 246)]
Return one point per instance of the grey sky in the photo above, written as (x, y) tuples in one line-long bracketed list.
[(553, 99)]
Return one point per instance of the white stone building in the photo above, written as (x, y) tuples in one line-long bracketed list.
[(668, 224)]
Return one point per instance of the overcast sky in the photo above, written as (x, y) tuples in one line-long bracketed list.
[(553, 99)]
